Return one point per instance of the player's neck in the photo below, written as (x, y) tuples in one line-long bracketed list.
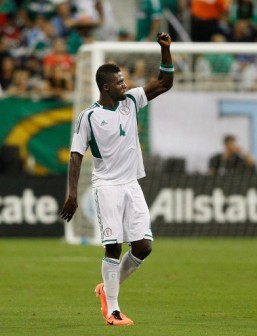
[(107, 102)]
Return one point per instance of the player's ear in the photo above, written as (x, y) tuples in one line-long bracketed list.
[(106, 87)]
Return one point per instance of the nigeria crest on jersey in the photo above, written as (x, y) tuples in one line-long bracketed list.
[(124, 110)]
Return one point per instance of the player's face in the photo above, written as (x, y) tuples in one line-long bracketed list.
[(117, 87)]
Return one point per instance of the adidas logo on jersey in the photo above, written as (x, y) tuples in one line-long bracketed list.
[(103, 123)]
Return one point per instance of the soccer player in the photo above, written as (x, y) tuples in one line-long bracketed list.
[(109, 127)]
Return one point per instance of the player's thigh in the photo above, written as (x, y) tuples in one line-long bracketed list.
[(109, 204), (137, 224)]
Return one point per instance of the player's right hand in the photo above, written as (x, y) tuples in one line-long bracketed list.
[(69, 208), (164, 39)]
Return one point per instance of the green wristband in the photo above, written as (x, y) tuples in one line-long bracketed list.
[(168, 66), (168, 69)]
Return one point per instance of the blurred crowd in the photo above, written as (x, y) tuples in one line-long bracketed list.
[(235, 20), (39, 39)]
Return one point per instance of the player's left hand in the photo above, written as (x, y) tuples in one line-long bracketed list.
[(164, 39), (69, 209)]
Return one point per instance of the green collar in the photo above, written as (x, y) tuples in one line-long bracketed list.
[(107, 107)]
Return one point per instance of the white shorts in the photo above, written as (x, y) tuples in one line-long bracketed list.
[(122, 212)]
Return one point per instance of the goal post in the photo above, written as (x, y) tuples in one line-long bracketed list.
[(206, 75)]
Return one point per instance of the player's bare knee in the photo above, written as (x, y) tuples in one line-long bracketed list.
[(147, 250), (142, 249), (113, 251)]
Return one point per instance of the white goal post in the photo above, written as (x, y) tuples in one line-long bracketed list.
[(190, 76)]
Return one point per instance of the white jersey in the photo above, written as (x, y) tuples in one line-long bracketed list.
[(113, 138)]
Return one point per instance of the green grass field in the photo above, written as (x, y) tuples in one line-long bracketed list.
[(187, 287)]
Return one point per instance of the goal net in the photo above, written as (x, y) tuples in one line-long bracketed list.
[(213, 96)]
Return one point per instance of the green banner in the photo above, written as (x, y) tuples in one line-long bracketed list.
[(41, 129)]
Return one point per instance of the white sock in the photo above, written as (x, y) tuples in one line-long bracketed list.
[(111, 278), (128, 265)]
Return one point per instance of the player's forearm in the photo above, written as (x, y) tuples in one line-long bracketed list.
[(166, 67), (74, 172), (165, 78), (166, 57)]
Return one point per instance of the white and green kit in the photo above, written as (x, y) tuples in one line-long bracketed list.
[(113, 138)]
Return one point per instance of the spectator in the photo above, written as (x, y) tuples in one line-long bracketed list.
[(243, 31), (205, 18), (19, 86), (11, 32), (232, 160), (244, 72), (34, 66), (108, 30), (61, 83), (58, 57), (24, 85), (64, 24), (63, 19), (149, 14), (7, 72), (38, 37), (88, 15)]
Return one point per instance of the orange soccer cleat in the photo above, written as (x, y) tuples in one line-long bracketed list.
[(118, 319), (99, 290)]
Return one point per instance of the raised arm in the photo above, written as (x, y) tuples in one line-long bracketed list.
[(165, 79), (71, 204)]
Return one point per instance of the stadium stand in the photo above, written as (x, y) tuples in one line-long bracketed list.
[(28, 33)]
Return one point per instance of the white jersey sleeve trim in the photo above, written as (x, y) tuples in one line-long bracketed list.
[(81, 136), (77, 144)]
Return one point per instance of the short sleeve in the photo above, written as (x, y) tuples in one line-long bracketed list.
[(139, 96), (81, 136), (142, 98)]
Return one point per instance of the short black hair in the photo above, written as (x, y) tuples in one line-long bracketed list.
[(103, 72), (228, 138)]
